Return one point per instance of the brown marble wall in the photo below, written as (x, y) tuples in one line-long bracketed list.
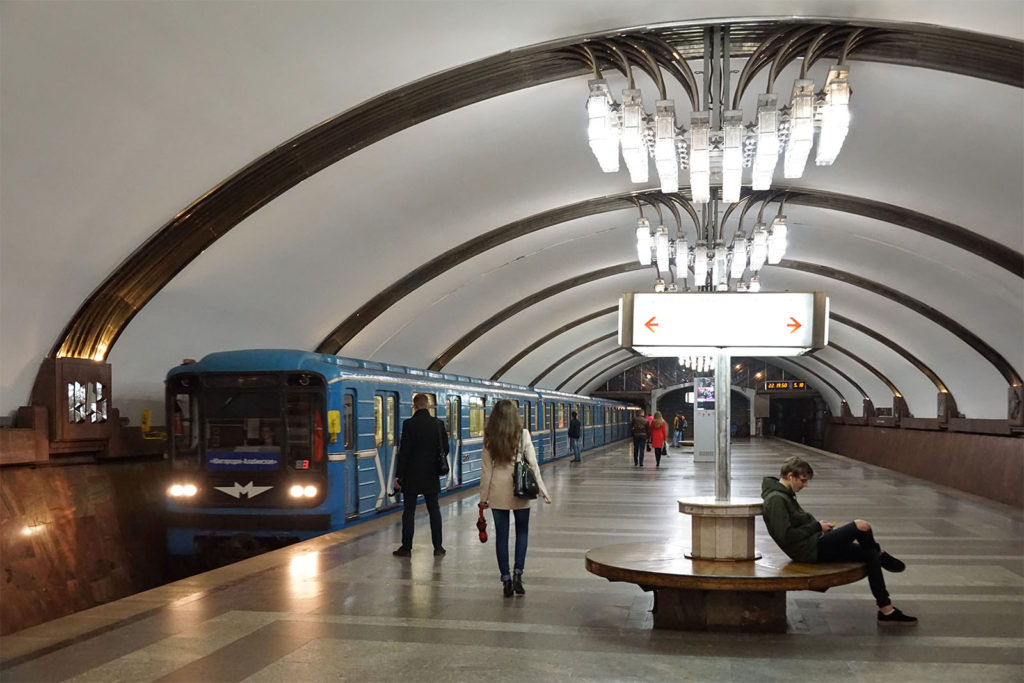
[(76, 536), (985, 465)]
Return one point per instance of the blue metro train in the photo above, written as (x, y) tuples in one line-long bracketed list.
[(277, 446)]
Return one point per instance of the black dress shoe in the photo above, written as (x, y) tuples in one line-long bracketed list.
[(517, 584), (439, 552), (402, 552), (506, 588)]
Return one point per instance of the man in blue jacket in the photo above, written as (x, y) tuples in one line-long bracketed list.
[(424, 439), (805, 539)]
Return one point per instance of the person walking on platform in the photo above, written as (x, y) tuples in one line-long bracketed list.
[(504, 440), (424, 439), (805, 539), (659, 437), (574, 437), (677, 430), (639, 428)]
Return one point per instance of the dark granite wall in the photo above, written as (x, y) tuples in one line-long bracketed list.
[(76, 536), (983, 464)]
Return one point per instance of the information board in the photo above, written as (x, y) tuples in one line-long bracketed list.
[(753, 324)]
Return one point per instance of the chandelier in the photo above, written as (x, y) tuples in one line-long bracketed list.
[(712, 263), (718, 146)]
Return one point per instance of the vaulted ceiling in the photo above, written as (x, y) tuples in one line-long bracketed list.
[(411, 183)]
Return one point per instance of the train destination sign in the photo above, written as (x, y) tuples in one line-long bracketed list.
[(752, 324), (785, 384)]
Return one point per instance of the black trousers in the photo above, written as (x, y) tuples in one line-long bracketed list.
[(639, 444), (409, 517), (847, 543)]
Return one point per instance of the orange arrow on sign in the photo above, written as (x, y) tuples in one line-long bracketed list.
[(650, 324), (795, 325)]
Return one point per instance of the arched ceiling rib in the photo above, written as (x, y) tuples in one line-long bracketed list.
[(548, 337), (97, 325)]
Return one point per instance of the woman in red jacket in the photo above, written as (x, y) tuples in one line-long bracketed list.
[(659, 435)]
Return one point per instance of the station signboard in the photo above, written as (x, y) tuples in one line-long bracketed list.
[(752, 324), (777, 385)]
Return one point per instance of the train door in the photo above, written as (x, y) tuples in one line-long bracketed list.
[(385, 439), (351, 464), (455, 441), (552, 427)]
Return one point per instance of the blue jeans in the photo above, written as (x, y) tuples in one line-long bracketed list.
[(574, 448), (679, 436), (501, 539)]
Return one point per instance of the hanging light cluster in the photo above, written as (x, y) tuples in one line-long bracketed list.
[(718, 146), (697, 363), (724, 264)]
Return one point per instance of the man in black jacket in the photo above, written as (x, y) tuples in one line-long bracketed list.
[(575, 432), (424, 439)]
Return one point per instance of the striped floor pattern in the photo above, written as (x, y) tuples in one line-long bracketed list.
[(341, 608)]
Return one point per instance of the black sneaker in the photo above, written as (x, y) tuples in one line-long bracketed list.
[(890, 563), (402, 552), (896, 618), (440, 552)]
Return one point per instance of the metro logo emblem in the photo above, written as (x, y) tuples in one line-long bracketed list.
[(249, 490)]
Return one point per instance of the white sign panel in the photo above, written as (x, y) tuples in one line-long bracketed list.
[(779, 323)]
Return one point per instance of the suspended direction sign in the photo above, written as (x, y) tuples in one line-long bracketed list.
[(749, 324)]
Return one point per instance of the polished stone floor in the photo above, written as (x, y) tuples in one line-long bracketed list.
[(340, 607)]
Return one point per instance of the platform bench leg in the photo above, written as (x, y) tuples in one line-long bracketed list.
[(708, 610)]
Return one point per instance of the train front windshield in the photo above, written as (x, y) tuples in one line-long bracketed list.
[(236, 422)]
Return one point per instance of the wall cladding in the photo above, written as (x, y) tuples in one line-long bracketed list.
[(982, 464), (76, 536)]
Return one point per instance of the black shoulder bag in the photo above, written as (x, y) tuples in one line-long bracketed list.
[(442, 452), (524, 483)]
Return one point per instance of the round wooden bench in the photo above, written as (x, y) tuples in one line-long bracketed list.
[(716, 595)]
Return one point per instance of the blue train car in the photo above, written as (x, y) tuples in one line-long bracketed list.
[(280, 446)]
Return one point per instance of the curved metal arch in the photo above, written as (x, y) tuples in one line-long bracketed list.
[(592, 363), (949, 233), (870, 368), (578, 349), (863, 394), (103, 316), (933, 314), (460, 345), (548, 337), (906, 355)]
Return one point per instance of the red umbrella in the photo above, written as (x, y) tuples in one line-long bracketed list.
[(481, 526)]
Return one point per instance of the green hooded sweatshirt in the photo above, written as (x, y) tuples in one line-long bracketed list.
[(795, 530)]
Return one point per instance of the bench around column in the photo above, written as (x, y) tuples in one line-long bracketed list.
[(716, 595)]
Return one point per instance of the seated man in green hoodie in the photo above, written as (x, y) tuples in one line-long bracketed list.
[(805, 539)]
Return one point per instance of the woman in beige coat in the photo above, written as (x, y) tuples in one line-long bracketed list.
[(504, 436)]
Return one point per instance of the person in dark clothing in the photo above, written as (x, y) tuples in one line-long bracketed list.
[(641, 433), (424, 438), (574, 437), (805, 539)]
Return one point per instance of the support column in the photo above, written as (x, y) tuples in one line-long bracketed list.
[(723, 377)]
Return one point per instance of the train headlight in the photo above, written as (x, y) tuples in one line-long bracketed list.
[(300, 491), (182, 490)]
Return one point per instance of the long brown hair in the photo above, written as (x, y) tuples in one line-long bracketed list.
[(503, 431), (658, 419)]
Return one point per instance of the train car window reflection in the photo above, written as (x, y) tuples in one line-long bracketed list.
[(476, 416), (392, 420), (378, 421), (432, 399), (349, 425)]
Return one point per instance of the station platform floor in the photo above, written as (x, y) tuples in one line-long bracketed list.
[(341, 607)]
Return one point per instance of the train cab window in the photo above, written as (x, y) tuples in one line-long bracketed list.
[(349, 426), (378, 421), (304, 429), (392, 419), (184, 435), (476, 416)]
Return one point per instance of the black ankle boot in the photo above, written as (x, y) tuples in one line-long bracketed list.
[(517, 584), (507, 588)]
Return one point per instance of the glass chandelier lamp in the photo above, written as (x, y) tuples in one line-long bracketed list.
[(717, 147)]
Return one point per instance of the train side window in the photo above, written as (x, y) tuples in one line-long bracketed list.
[(432, 398), (560, 420), (378, 421), (392, 419), (350, 421), (476, 416)]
